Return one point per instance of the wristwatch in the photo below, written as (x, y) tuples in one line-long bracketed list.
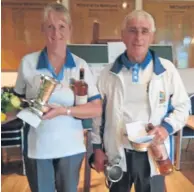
[(68, 110)]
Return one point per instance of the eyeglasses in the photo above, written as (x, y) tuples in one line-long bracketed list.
[(135, 31)]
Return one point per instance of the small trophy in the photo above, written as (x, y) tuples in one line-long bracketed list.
[(39, 105)]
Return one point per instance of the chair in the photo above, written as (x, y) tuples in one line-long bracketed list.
[(12, 136), (87, 125), (185, 133), (188, 133)]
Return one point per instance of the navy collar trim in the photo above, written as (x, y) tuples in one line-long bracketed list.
[(43, 61), (128, 64), (119, 63)]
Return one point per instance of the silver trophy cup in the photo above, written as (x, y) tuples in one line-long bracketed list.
[(112, 170), (39, 105), (113, 173)]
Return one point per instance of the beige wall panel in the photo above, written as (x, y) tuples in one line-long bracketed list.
[(109, 14), (21, 30), (175, 25)]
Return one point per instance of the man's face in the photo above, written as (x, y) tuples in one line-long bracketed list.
[(137, 37), (57, 30)]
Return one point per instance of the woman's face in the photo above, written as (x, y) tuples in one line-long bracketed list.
[(57, 30)]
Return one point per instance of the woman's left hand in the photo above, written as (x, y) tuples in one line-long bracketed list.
[(54, 112)]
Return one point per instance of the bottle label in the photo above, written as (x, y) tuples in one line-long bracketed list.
[(80, 100)]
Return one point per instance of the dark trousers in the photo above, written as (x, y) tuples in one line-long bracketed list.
[(46, 175), (138, 172)]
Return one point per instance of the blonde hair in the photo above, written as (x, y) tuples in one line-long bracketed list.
[(139, 14), (58, 7)]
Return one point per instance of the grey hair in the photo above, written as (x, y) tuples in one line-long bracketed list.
[(139, 14), (58, 7)]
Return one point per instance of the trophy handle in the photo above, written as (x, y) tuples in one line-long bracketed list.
[(42, 77), (30, 102)]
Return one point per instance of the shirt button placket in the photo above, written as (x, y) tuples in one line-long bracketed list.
[(135, 75)]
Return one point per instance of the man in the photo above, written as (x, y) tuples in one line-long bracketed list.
[(138, 86)]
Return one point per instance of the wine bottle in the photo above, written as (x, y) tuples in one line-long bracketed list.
[(81, 89), (160, 155)]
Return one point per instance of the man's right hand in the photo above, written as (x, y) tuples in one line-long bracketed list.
[(99, 160)]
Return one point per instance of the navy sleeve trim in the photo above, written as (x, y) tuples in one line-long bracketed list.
[(97, 146), (167, 126), (94, 97)]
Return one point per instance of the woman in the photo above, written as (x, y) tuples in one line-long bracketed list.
[(56, 148)]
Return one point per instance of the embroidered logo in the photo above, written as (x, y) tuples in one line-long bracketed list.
[(162, 97)]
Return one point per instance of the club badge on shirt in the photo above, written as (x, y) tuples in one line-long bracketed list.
[(162, 97)]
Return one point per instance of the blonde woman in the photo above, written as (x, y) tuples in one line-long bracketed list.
[(56, 149)]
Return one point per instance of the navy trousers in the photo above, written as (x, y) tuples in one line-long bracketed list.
[(138, 172)]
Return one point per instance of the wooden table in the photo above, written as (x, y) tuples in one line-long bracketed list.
[(190, 122)]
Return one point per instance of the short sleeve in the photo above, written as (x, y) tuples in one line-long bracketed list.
[(93, 92), (20, 86)]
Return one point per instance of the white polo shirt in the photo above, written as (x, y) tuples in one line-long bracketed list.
[(62, 135), (136, 84)]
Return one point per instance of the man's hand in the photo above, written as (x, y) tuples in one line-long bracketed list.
[(54, 112), (160, 134), (99, 160)]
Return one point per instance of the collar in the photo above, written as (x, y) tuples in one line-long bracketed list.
[(128, 64), (43, 61), (121, 61)]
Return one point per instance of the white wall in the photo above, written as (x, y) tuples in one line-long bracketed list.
[(8, 78), (187, 76), (66, 3)]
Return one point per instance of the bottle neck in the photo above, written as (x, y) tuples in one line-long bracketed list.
[(81, 75)]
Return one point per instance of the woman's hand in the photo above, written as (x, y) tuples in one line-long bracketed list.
[(54, 111)]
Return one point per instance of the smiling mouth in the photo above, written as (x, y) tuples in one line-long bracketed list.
[(56, 39), (137, 45)]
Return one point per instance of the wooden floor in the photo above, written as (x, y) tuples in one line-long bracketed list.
[(175, 182), (16, 183)]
